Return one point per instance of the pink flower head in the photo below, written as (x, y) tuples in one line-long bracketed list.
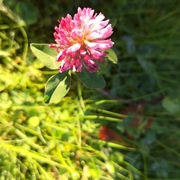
[(82, 40)]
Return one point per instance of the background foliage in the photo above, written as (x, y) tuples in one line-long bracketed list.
[(128, 130)]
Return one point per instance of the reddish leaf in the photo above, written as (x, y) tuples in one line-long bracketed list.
[(108, 134)]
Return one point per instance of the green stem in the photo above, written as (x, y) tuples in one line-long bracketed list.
[(28, 140), (31, 131), (25, 50), (80, 97), (28, 130), (145, 167), (109, 113), (96, 117), (81, 109)]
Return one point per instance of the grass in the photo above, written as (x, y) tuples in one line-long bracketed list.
[(62, 140)]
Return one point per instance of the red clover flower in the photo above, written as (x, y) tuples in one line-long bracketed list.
[(81, 40)]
